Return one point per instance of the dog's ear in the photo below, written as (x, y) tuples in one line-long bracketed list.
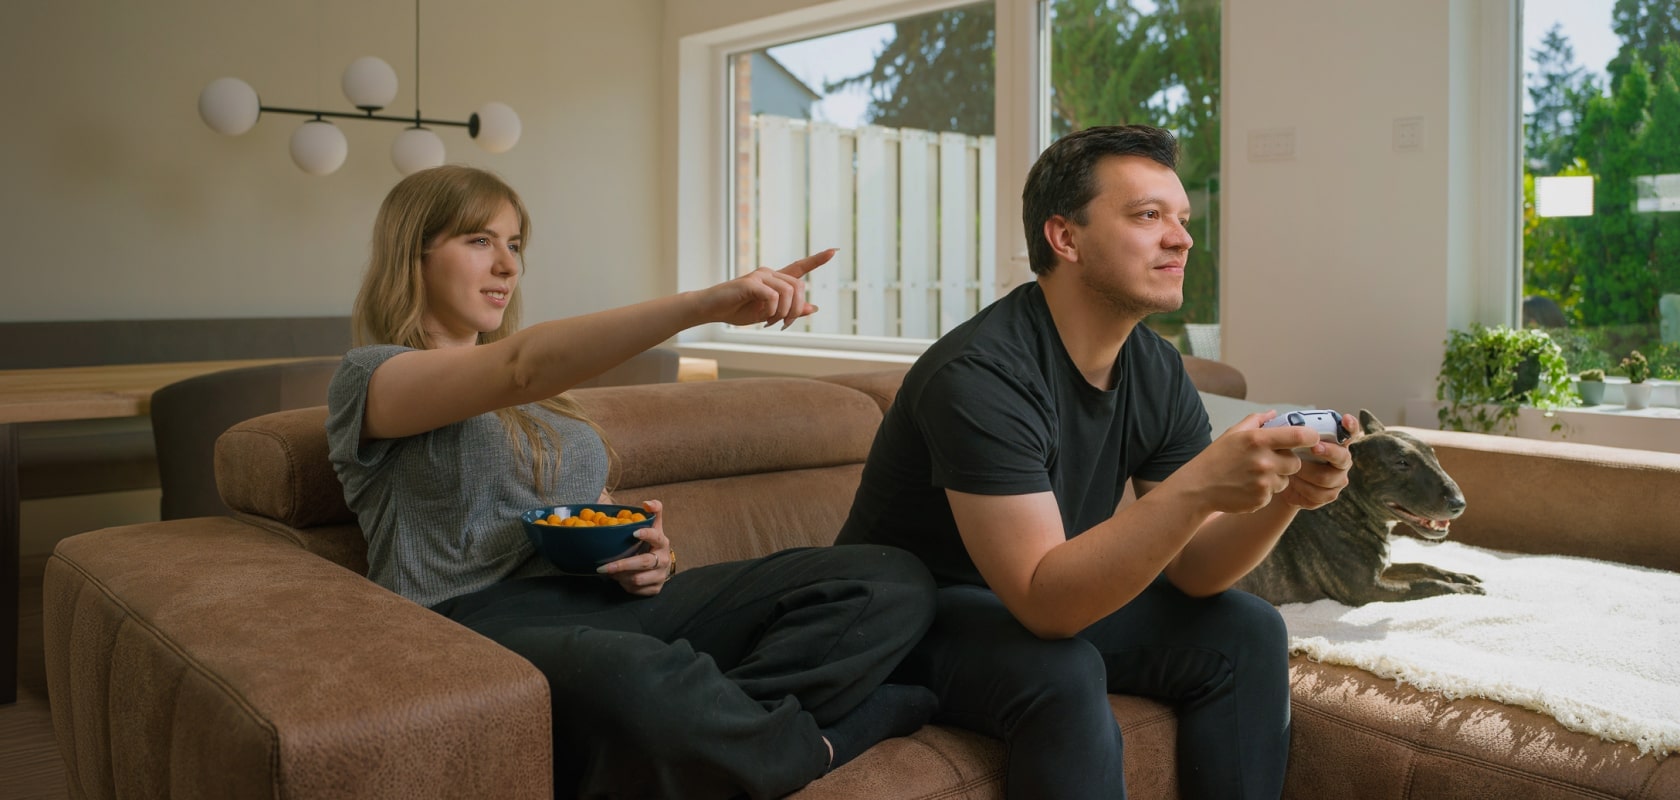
[(1369, 421)]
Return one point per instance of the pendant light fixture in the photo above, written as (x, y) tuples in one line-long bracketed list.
[(231, 107)]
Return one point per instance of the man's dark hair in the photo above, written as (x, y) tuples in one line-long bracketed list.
[(1064, 179)]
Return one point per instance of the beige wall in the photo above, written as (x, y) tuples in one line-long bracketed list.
[(1345, 267), (118, 202)]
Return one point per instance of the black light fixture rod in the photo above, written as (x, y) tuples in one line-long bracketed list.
[(415, 120)]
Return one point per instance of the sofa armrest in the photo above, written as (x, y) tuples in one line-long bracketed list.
[(1563, 498), (208, 658), (1216, 377)]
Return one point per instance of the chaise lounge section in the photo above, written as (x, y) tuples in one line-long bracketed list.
[(247, 656)]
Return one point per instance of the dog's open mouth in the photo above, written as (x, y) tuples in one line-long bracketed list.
[(1426, 527)]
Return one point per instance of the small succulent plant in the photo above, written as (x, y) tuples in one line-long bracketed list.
[(1637, 367)]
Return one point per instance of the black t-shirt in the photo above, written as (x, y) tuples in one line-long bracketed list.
[(997, 407)]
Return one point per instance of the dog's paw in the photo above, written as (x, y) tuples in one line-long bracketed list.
[(1460, 578)]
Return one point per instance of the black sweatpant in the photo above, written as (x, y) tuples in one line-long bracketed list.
[(1221, 660), (717, 686)]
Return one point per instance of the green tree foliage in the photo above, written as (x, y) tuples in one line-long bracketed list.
[(1644, 27), (1111, 63), (1608, 270), (1617, 283), (936, 73), (1659, 147), (1550, 255)]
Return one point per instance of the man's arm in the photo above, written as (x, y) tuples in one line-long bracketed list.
[(1226, 547), (1229, 546), (1058, 586)]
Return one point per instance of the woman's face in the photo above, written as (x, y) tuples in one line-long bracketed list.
[(469, 279)]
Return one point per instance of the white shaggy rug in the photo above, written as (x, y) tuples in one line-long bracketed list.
[(1596, 645)]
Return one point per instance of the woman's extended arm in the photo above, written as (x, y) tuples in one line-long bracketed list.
[(422, 390)]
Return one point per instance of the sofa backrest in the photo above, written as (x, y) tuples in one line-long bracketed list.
[(744, 466), (188, 415)]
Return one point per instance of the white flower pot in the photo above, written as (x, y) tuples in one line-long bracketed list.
[(1638, 395), (1592, 392)]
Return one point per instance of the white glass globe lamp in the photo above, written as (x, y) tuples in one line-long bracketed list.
[(369, 83), (318, 147), (495, 127), (229, 106), (416, 149)]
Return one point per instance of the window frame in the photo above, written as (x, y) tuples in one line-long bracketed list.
[(705, 190)]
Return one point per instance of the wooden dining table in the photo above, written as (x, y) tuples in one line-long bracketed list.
[(66, 393), (99, 392)]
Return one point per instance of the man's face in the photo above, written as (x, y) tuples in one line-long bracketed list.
[(1133, 245)]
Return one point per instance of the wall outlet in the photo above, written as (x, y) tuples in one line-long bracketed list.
[(1408, 134), (1271, 144)]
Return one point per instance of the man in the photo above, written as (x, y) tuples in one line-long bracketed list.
[(1002, 462)]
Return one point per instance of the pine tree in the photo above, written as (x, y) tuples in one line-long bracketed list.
[(1556, 90), (1644, 26)]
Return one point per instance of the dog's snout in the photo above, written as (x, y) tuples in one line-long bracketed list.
[(1455, 504)]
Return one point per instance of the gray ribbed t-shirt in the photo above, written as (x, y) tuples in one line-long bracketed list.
[(440, 510)]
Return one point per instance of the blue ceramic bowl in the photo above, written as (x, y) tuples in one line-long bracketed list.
[(580, 550)]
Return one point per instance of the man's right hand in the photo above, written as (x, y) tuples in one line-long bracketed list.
[(1246, 466)]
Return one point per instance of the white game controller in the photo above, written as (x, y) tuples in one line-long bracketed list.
[(1327, 423)]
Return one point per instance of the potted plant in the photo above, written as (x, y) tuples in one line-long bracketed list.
[(1489, 373), (1591, 387), (1638, 368)]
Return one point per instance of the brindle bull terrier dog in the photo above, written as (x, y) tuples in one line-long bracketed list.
[(1340, 551)]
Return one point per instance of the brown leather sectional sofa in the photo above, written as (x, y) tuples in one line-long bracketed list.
[(249, 657)]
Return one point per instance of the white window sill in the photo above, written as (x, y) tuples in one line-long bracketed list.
[(1654, 428), (807, 362)]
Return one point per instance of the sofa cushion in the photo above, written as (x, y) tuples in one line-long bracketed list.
[(694, 431), (708, 523), (276, 465)]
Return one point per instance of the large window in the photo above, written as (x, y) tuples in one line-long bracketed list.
[(878, 141), (1154, 63), (881, 140), (1601, 179)]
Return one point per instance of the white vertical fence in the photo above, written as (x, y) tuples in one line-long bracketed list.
[(911, 211)]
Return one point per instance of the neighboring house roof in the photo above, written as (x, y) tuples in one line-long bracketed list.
[(777, 91)]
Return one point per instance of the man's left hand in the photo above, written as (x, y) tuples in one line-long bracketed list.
[(1319, 483)]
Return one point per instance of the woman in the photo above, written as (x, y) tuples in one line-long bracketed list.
[(447, 422)]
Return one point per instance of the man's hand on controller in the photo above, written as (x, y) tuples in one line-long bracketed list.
[(1324, 474)]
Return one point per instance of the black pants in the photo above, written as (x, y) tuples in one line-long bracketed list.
[(1222, 661), (717, 686)]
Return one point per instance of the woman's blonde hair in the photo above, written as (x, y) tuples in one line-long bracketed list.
[(421, 210)]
